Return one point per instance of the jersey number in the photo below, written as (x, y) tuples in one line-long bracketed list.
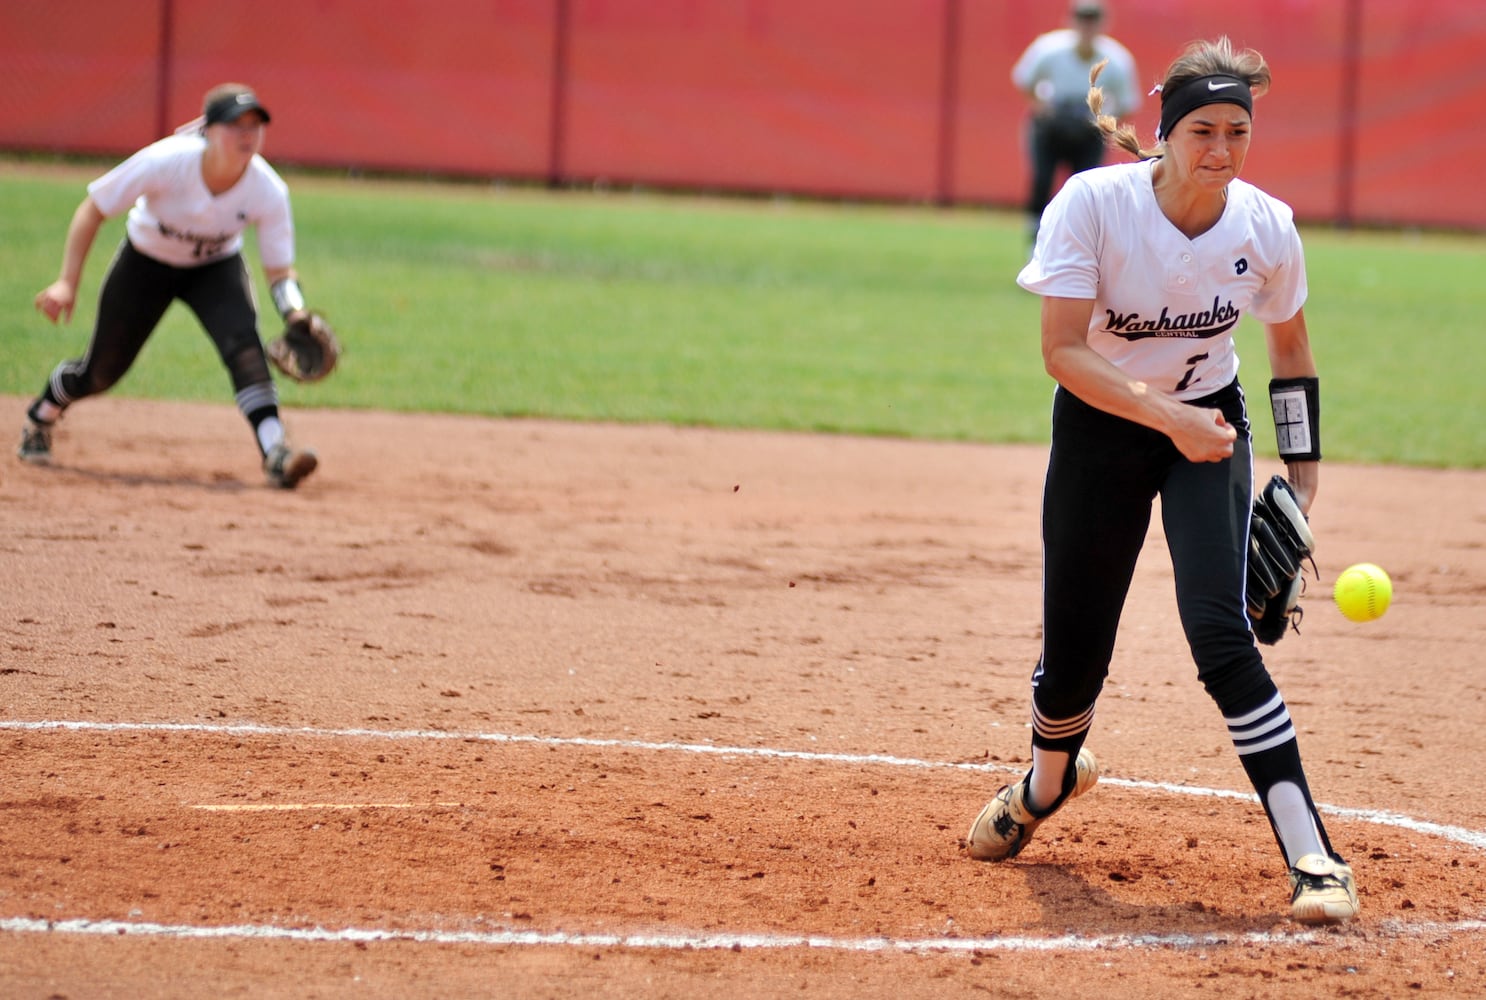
[(1187, 379)]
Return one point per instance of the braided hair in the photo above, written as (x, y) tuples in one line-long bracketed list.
[(1198, 59)]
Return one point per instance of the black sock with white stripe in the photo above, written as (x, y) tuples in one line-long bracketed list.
[(1270, 754), (259, 404)]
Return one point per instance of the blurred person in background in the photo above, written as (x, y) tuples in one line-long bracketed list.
[(1053, 73), (190, 197)]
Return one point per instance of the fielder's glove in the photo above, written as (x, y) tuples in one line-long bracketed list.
[(1280, 542), (307, 350)]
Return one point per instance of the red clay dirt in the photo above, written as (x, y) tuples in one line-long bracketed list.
[(525, 708)]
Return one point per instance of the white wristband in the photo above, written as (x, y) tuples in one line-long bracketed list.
[(287, 296)]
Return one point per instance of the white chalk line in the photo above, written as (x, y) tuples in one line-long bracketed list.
[(249, 807), (1457, 834), (718, 942), (734, 942)]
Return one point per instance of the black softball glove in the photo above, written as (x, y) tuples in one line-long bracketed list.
[(1280, 543), (307, 350)]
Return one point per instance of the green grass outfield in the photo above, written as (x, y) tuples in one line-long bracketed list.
[(902, 321)]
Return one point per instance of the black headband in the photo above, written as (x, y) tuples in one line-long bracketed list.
[(1220, 88)]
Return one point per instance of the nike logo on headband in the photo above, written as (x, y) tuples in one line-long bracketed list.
[(1215, 85)]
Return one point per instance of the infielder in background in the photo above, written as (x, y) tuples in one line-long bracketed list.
[(1054, 75), (1145, 271), (190, 196)]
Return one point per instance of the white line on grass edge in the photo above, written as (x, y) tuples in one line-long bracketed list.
[(734, 942)]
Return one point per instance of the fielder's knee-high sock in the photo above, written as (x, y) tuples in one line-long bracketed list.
[(259, 403), (1267, 748), (44, 411), (63, 387), (270, 432)]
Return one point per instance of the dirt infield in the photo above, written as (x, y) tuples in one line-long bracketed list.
[(516, 708)]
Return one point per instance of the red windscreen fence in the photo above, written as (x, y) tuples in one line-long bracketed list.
[(1372, 119)]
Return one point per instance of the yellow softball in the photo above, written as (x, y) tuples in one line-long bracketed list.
[(1363, 592)]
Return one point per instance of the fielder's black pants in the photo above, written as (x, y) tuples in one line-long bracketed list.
[(136, 292)]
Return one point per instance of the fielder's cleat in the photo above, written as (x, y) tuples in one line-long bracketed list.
[(1006, 824), (285, 467), (1322, 890), (36, 443)]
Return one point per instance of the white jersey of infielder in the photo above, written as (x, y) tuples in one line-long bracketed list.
[(1165, 306), (177, 221)]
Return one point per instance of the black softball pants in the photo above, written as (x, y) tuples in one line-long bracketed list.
[(136, 292), (1104, 473)]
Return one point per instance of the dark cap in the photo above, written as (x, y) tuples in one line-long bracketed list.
[(229, 102), (1087, 8)]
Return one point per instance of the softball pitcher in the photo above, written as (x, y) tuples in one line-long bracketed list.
[(1145, 270), (190, 197)]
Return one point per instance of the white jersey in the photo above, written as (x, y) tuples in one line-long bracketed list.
[(176, 220), (1051, 68), (1165, 306)]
